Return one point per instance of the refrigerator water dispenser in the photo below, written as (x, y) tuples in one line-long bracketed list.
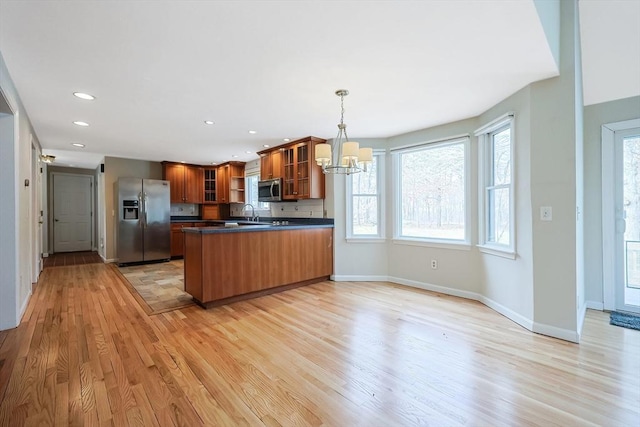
[(130, 209)]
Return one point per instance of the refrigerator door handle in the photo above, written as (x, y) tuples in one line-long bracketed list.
[(145, 209), (142, 210)]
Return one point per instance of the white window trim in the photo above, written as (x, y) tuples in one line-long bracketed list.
[(370, 238), (259, 211), (497, 249), (457, 244)]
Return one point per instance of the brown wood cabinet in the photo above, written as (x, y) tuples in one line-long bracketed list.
[(271, 164), (177, 238), (210, 185), (186, 182), (220, 266), (230, 182), (302, 177)]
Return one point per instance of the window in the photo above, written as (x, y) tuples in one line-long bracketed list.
[(251, 194), (431, 192), (496, 186), (364, 202)]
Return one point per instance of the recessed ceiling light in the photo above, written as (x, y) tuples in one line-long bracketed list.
[(213, 163), (79, 123), (248, 152), (208, 122), (286, 140), (77, 144), (85, 96), (266, 145), (234, 156), (253, 132)]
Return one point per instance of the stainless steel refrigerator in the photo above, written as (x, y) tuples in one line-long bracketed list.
[(143, 228)]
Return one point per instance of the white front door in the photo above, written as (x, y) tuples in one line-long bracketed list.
[(627, 216), (72, 223)]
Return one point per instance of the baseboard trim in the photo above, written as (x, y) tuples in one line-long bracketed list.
[(435, 288), (23, 308), (529, 324), (358, 278), (105, 260), (507, 312), (554, 332), (594, 305), (582, 312)]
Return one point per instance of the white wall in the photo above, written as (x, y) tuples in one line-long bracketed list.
[(16, 216), (541, 288), (353, 261), (457, 269), (509, 282), (553, 183), (549, 14), (594, 117)]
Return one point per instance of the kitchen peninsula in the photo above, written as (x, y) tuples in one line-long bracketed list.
[(231, 262)]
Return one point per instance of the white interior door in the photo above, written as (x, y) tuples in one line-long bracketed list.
[(72, 218), (627, 217)]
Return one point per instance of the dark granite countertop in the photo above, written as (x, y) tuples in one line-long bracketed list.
[(263, 220), (239, 226)]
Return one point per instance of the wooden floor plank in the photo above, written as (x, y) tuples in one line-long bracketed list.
[(333, 353)]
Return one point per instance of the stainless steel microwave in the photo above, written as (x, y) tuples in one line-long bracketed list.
[(270, 190)]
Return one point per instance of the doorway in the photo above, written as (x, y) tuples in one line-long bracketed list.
[(621, 216), (72, 212)]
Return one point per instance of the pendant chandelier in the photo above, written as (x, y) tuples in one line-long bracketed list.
[(343, 156)]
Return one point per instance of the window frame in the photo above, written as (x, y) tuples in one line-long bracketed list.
[(457, 244), (260, 211), (485, 170), (380, 156)]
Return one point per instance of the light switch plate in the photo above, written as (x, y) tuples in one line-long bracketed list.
[(546, 213)]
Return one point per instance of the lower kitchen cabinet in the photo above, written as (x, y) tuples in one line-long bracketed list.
[(222, 266), (177, 238)]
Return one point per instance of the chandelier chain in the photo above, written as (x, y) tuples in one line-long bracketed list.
[(342, 126)]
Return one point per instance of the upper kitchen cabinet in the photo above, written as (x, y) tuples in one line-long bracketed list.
[(186, 182), (210, 187), (271, 164), (230, 182), (302, 177)]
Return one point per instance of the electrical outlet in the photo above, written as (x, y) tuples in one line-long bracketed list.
[(546, 213), (434, 264)]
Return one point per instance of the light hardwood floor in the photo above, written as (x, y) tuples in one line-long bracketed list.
[(334, 353)]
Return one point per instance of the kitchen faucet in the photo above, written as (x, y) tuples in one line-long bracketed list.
[(253, 212)]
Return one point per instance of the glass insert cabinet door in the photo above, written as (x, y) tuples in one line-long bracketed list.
[(302, 164), (297, 166), (209, 185), (289, 172)]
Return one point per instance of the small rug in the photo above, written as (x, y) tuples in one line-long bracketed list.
[(159, 287), (71, 258), (626, 320)]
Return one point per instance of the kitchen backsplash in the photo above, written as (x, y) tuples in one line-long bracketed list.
[(311, 208), (185, 209)]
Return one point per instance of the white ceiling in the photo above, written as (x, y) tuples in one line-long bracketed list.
[(159, 69)]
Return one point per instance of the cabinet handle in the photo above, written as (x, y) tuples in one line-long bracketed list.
[(330, 241)]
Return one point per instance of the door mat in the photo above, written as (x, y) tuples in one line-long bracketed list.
[(626, 320), (158, 287), (72, 258)]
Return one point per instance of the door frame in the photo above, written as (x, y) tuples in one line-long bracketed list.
[(608, 209), (52, 201)]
